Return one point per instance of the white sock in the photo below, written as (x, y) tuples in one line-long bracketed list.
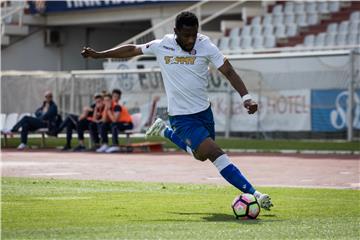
[(257, 194), (162, 133), (222, 162), (189, 150)]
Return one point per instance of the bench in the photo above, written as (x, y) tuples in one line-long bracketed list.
[(9, 121)]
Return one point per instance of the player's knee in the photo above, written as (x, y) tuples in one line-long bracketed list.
[(114, 127), (199, 156), (25, 126), (215, 153), (203, 154)]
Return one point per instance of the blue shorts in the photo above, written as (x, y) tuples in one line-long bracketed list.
[(193, 129)]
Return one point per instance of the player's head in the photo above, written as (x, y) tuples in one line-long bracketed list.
[(107, 99), (116, 94), (186, 29), (98, 98), (48, 96)]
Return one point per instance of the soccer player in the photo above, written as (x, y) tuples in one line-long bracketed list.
[(184, 58)]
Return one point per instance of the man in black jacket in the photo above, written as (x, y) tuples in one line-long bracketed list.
[(45, 117)]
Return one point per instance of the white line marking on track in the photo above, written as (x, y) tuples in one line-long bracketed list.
[(355, 185), (306, 180), (213, 178), (24, 164), (56, 174)]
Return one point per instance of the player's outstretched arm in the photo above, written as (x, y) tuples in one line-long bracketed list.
[(235, 80), (125, 51)]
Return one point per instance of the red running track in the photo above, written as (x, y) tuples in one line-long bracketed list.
[(321, 171)]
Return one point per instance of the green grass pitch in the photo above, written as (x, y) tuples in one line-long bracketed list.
[(71, 209)]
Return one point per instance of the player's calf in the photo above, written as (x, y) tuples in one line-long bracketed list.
[(208, 149)]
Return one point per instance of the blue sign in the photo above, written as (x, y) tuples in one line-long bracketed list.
[(329, 110), (42, 6)]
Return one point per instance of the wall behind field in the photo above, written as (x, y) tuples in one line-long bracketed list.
[(31, 53)]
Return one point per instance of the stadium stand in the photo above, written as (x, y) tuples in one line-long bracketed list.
[(298, 24)]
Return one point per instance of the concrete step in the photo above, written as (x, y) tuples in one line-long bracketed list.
[(27, 19), (33, 20), (15, 30), (5, 40)]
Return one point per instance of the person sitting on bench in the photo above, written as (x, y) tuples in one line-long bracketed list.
[(115, 118), (86, 121), (45, 117)]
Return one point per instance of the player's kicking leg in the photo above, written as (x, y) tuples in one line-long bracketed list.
[(159, 128), (208, 149)]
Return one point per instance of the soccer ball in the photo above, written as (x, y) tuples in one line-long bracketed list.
[(245, 206)]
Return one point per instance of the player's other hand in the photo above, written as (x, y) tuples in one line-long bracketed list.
[(89, 53), (251, 106)]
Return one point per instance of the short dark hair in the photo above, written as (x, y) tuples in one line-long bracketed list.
[(186, 19), (108, 95), (98, 96), (117, 91)]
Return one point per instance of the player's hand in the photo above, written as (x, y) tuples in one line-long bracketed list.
[(89, 53), (107, 107), (251, 106)]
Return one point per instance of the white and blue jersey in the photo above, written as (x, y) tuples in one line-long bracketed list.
[(185, 76)]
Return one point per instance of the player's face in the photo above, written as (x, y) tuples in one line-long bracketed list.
[(48, 97), (186, 37), (115, 97), (99, 102), (107, 101)]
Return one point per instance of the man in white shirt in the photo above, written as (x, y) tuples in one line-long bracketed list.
[(184, 59)]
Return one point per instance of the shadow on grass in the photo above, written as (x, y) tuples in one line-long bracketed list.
[(268, 215), (221, 217)]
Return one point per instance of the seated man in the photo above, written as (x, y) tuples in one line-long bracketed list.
[(45, 117), (82, 123), (115, 118)]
